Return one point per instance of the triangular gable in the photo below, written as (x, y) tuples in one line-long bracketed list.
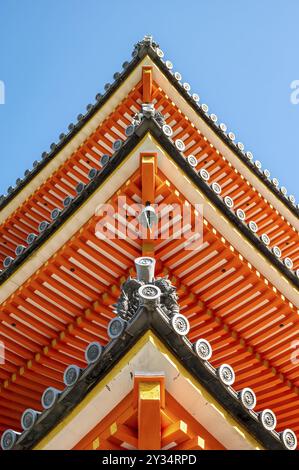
[(150, 125), (261, 312), (148, 53), (148, 354)]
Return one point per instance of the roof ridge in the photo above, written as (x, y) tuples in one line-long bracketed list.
[(150, 46), (173, 328), (140, 126)]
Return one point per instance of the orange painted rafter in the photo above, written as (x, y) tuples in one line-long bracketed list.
[(124, 424), (70, 336)]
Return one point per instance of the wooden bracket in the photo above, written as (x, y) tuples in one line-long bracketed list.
[(147, 84)]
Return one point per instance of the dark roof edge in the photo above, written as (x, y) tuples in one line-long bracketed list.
[(182, 162), (146, 319), (142, 49), (150, 125), (57, 147), (188, 97)]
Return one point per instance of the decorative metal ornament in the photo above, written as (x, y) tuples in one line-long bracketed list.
[(71, 375), (148, 217), (180, 145), (130, 130), (28, 418), (55, 213), (297, 273), (276, 251), (213, 117), (80, 188), (283, 190), (180, 324), (289, 439), (186, 86), (268, 419), (167, 130), (223, 127), (93, 352), (149, 293), (292, 199), (30, 238), (20, 249), (7, 261), (116, 327), (67, 201), (249, 155), (178, 76), (192, 161), (247, 398), (169, 65), (258, 164), (240, 146), (216, 188), (204, 174), (265, 239), (43, 226), (226, 374), (148, 38), (145, 268), (253, 226), (267, 173), (92, 173), (49, 397), (205, 108), (104, 159), (231, 136), (159, 53), (241, 214), (195, 97), (9, 438), (148, 110), (275, 182), (288, 263), (203, 349), (107, 86), (228, 202), (117, 145), (135, 53), (130, 300)]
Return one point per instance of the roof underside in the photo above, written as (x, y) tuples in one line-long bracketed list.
[(55, 303)]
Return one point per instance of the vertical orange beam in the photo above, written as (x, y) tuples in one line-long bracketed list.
[(149, 398), (147, 84), (148, 169)]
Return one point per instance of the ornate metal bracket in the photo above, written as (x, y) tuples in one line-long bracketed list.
[(146, 289)]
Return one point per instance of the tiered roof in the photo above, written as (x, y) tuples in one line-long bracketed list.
[(239, 291)]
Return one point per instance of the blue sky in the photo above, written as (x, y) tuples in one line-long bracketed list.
[(240, 57)]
